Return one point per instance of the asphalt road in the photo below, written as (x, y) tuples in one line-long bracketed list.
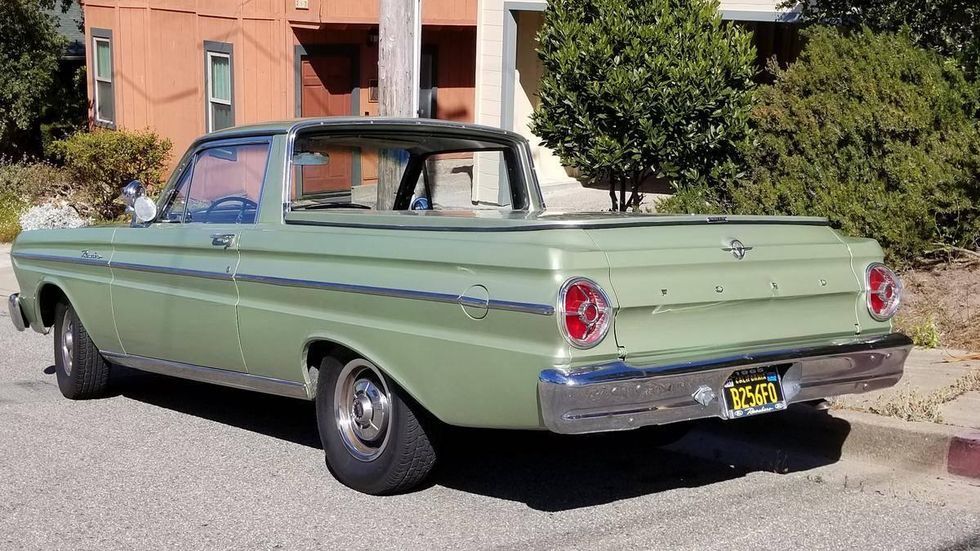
[(173, 464)]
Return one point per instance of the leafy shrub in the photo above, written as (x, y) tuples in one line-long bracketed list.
[(634, 89), (51, 216), (950, 27), (11, 205), (102, 162), (875, 134)]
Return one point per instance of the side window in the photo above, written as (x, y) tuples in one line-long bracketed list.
[(222, 186), (104, 102), (448, 182), (220, 85)]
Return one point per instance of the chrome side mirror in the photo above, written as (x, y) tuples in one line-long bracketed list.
[(142, 207)]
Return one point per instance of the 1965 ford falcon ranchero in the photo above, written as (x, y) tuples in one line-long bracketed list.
[(265, 264)]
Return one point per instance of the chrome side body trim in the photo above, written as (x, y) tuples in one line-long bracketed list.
[(223, 377), (540, 309), (170, 271), (506, 305), (63, 259), (526, 307), (617, 396), (16, 312), (348, 288)]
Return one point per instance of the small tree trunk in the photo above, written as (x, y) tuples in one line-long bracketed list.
[(622, 193), (635, 196), (612, 192)]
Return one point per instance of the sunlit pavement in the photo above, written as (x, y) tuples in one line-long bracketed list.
[(173, 464)]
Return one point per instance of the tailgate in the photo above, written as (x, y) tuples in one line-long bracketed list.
[(681, 293)]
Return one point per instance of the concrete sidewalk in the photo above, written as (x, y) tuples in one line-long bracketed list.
[(8, 283), (927, 371)]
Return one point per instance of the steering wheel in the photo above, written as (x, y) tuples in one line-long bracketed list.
[(245, 201)]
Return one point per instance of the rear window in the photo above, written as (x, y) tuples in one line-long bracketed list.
[(428, 173)]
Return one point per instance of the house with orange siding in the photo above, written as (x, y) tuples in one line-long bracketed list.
[(186, 67)]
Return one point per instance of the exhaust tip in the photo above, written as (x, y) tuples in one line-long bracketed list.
[(821, 405)]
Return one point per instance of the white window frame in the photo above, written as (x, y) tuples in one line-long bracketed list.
[(217, 50), (96, 79)]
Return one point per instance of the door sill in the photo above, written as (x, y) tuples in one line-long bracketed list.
[(222, 377)]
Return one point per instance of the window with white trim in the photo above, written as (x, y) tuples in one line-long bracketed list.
[(104, 106), (220, 85)]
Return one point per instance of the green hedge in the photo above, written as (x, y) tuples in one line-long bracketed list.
[(870, 131), (100, 163)]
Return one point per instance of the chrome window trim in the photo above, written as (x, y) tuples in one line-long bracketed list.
[(517, 144), (188, 162), (411, 294)]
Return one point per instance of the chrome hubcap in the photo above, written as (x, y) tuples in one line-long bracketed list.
[(363, 409), (67, 342)]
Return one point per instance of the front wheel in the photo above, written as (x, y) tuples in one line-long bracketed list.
[(376, 439), (81, 371)]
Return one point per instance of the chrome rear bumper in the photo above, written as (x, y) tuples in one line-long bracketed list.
[(16, 312), (616, 396)]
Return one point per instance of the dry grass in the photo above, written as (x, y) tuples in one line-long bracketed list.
[(10, 208), (911, 405), (941, 306), (923, 330)]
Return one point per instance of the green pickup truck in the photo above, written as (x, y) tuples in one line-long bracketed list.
[(267, 264)]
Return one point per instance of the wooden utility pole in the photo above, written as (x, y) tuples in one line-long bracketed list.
[(399, 52)]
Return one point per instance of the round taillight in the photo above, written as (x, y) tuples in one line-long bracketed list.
[(884, 291), (584, 312)]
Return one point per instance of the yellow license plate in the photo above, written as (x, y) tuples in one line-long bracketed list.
[(753, 391)]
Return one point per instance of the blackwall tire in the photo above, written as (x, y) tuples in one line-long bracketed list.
[(81, 371), (376, 439)]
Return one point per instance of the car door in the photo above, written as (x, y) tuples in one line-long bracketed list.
[(173, 292)]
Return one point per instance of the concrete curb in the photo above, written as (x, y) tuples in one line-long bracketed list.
[(916, 446), (803, 437), (963, 458)]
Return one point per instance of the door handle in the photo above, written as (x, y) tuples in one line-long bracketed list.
[(222, 239)]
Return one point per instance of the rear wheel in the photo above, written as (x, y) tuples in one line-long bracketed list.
[(376, 439), (81, 371)]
